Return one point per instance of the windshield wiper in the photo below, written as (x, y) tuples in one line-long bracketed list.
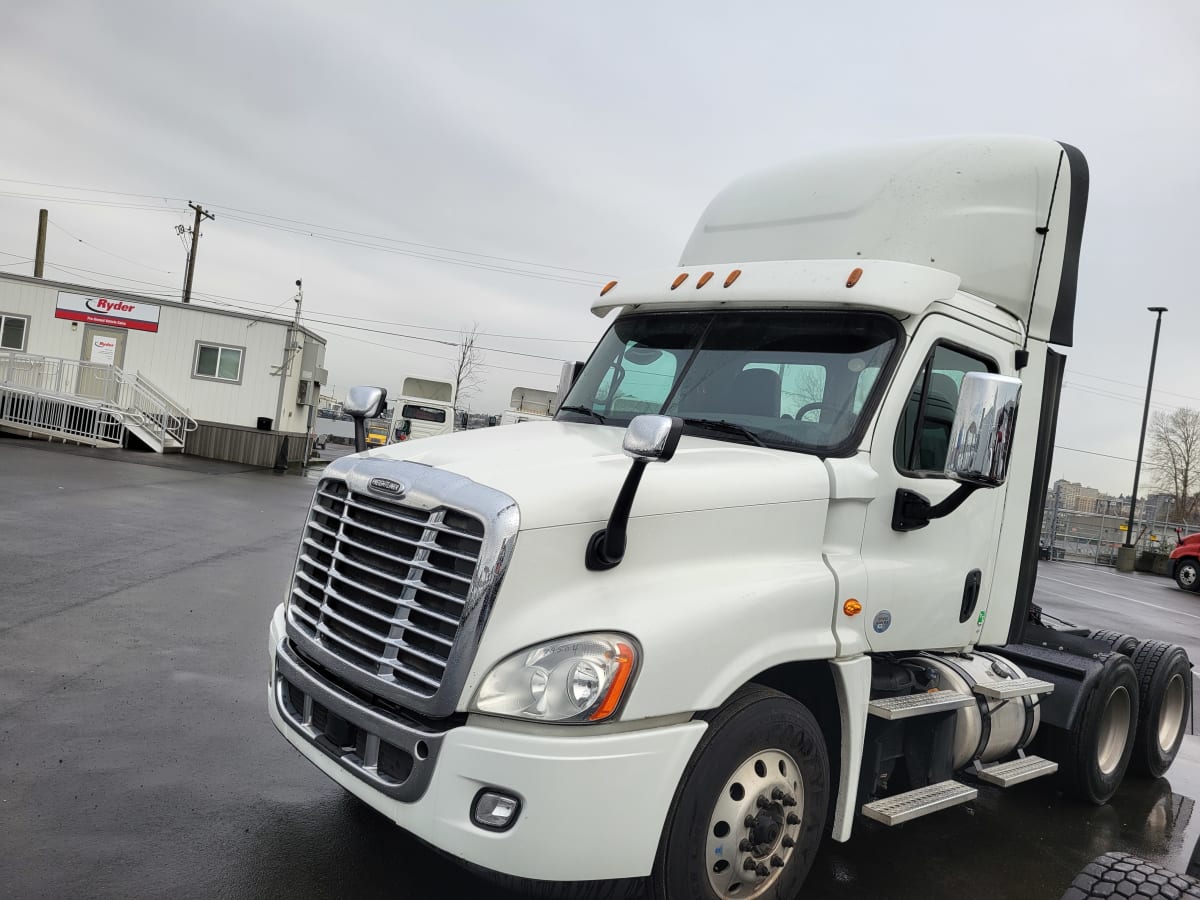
[(583, 409), (728, 428)]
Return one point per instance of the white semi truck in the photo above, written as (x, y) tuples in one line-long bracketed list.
[(561, 664), (529, 405), (425, 408)]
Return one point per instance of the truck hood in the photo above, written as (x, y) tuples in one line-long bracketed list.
[(565, 473)]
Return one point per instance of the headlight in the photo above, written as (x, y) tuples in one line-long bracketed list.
[(581, 678)]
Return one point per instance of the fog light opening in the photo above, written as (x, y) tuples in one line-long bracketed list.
[(495, 810), (422, 750)]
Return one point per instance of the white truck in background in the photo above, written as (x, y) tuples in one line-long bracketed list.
[(561, 664), (425, 408), (529, 405)]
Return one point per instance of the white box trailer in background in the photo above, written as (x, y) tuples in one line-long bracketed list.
[(425, 408), (529, 405), (817, 605)]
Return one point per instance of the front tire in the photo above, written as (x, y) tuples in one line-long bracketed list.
[(749, 812), (1187, 574)]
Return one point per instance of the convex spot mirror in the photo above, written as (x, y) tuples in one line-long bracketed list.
[(652, 438), (367, 402), (982, 434)]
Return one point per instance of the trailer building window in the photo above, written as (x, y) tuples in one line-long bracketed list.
[(218, 362), (13, 331)]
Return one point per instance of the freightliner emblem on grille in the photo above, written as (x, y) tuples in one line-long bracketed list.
[(387, 486)]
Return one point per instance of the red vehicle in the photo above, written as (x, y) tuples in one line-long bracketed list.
[(1185, 562)]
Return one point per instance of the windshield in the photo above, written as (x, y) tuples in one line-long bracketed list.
[(794, 380)]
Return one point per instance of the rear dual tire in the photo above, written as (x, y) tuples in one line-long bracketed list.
[(1093, 756), (1165, 705)]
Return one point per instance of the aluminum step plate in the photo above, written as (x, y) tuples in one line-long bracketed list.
[(921, 802), (919, 704), (1014, 687), (1015, 771)]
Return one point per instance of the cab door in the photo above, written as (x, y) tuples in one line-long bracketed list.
[(929, 588)]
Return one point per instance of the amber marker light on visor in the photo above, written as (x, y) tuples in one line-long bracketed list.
[(679, 279), (733, 276), (853, 279), (703, 280), (852, 607), (612, 699), (608, 287)]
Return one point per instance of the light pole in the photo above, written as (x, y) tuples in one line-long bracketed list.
[(1137, 469)]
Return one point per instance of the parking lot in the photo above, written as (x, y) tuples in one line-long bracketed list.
[(137, 758)]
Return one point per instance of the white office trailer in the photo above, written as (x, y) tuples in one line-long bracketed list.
[(112, 369)]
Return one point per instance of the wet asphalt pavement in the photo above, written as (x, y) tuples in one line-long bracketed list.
[(137, 758)]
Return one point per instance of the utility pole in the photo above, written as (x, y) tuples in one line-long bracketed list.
[(1137, 468), (39, 255), (201, 213)]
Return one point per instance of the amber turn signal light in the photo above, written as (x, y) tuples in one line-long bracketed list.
[(852, 607)]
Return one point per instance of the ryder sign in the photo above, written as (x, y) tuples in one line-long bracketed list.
[(132, 314)]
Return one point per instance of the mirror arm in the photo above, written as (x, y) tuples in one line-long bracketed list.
[(913, 511), (360, 434), (606, 548)]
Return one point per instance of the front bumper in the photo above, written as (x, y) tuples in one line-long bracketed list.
[(592, 806)]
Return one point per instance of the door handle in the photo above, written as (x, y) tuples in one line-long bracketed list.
[(970, 597)]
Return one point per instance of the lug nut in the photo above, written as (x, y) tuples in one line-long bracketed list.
[(793, 819), (750, 865), (746, 845), (749, 821), (763, 802), (762, 871), (787, 842), (777, 794), (777, 862), (789, 800)]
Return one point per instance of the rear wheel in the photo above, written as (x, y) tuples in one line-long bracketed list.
[(1122, 643), (750, 810), (1165, 700), (1092, 756), (1187, 574)]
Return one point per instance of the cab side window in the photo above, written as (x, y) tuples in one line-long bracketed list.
[(923, 438)]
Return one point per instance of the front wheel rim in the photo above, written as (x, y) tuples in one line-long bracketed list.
[(755, 825), (1187, 575)]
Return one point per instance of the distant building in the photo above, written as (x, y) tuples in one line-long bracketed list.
[(1076, 497)]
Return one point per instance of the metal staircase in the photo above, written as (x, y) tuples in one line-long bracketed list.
[(87, 403)]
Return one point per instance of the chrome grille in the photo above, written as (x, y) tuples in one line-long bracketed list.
[(384, 586)]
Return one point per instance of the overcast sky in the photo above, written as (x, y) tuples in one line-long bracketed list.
[(584, 137)]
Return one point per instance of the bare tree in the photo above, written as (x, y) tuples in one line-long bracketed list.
[(467, 365), (1175, 455)]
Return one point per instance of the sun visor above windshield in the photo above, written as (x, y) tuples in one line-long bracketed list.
[(999, 212)]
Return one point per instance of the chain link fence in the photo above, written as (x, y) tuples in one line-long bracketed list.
[(1090, 537)]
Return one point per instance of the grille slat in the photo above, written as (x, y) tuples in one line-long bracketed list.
[(353, 503), (383, 586)]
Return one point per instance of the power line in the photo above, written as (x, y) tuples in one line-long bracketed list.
[(107, 252), (116, 204), (1135, 385), (469, 264), (332, 228), (393, 347), (516, 337)]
